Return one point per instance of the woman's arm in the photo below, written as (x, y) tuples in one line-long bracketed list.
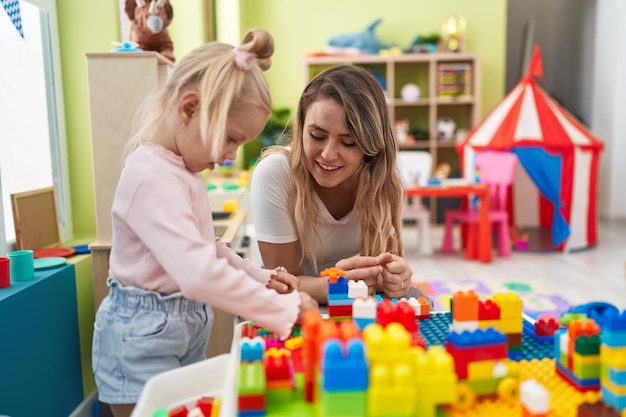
[(288, 255)]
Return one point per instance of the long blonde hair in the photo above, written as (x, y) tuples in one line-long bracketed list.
[(379, 192), (222, 83)]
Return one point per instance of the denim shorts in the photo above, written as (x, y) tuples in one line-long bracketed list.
[(139, 334)]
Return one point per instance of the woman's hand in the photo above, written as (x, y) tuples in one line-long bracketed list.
[(282, 281), (396, 275), (365, 268)]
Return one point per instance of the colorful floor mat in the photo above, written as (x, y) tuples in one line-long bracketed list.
[(538, 299)]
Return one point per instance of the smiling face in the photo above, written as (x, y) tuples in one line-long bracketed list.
[(331, 153)]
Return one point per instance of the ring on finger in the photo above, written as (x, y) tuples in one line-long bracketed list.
[(401, 285)]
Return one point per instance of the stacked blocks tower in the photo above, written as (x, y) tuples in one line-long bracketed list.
[(251, 383), (577, 354), (406, 380), (345, 378), (502, 311), (482, 364), (613, 362)]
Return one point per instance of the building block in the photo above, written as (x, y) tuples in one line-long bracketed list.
[(357, 289), (364, 309), (464, 306), (278, 367), (435, 380), (344, 368), (389, 344), (510, 305), (207, 405), (534, 398), (344, 404), (488, 310), (333, 274), (391, 392), (597, 409), (251, 349), (180, 411), (545, 327), (339, 286), (251, 379)]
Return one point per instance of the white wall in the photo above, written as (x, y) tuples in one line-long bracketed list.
[(608, 117)]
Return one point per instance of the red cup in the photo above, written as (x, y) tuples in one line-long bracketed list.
[(5, 275)]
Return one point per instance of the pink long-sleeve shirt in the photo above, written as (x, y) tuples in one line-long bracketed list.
[(163, 241)]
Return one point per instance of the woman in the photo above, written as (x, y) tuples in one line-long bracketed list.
[(334, 196)]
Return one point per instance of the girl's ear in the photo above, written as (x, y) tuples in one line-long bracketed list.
[(188, 105)]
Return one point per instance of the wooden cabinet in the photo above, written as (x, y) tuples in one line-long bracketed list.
[(118, 84), (449, 86)]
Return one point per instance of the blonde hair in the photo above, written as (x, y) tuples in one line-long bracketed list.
[(223, 84), (379, 192)]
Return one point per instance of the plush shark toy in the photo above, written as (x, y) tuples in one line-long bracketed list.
[(365, 41)]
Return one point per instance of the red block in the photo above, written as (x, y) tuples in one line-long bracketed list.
[(488, 310), (251, 402), (546, 327), (179, 412), (205, 404)]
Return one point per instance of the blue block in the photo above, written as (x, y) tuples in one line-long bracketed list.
[(362, 323), (478, 337), (340, 301), (344, 368), (340, 287), (528, 329), (616, 323), (616, 401), (618, 377), (252, 350), (583, 383), (613, 338)]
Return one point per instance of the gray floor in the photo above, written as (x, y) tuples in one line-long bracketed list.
[(597, 274)]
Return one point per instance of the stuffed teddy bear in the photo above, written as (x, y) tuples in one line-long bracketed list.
[(149, 22)]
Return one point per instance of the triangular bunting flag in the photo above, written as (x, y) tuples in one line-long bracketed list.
[(12, 8)]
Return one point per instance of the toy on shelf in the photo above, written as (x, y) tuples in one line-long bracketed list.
[(445, 128), (365, 41), (454, 27), (149, 22)]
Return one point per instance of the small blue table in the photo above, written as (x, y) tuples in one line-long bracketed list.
[(40, 368)]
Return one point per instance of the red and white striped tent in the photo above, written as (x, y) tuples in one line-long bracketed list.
[(558, 153)]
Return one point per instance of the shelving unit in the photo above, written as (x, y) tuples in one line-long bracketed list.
[(449, 84)]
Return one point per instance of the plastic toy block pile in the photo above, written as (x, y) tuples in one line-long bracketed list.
[(364, 361)]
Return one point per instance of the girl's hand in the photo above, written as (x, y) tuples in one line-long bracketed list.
[(306, 303), (365, 268), (396, 275), (282, 281)]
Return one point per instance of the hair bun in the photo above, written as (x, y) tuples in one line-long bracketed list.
[(261, 43)]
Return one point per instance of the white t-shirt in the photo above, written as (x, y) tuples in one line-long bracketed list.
[(270, 187)]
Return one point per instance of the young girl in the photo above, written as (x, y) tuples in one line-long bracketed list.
[(333, 198), (166, 266)]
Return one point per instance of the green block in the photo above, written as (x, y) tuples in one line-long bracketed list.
[(251, 379), (342, 404), (161, 412), (585, 345), (484, 386), (586, 371), (279, 396)]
